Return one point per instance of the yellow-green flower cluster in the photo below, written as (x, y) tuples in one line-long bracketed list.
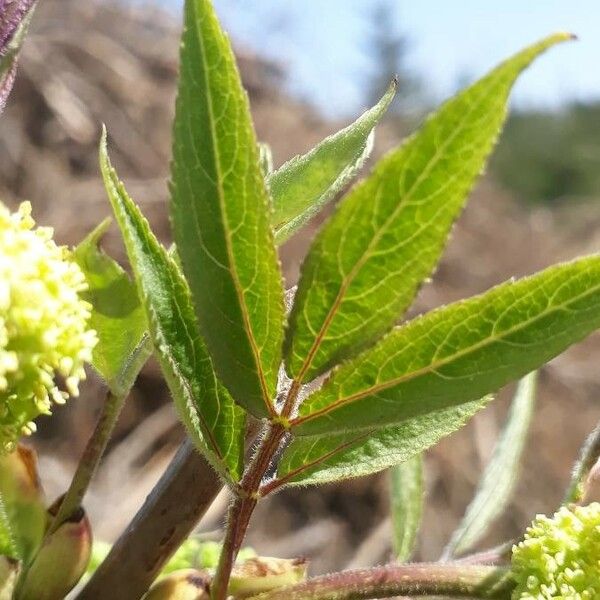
[(43, 324), (560, 556)]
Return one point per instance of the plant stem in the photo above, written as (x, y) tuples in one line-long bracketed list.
[(90, 459), (426, 579), (243, 506), (176, 504)]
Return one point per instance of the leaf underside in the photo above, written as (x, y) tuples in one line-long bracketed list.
[(220, 214), (213, 420), (302, 186), (325, 458), (367, 263)]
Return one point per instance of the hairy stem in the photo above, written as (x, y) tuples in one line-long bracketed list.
[(179, 500), (89, 461), (243, 506), (427, 579)]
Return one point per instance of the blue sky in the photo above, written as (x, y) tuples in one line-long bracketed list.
[(322, 44)]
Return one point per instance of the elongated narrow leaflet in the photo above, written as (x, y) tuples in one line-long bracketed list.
[(220, 213), (406, 499), (213, 421), (460, 352), (331, 457), (303, 185), (365, 266)]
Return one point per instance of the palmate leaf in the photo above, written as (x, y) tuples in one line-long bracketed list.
[(214, 422), (117, 315), (303, 185), (423, 380), (498, 480), (366, 264), (406, 498), (220, 213)]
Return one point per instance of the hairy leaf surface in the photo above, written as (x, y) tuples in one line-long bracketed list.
[(406, 495), (331, 457), (498, 480), (213, 421), (220, 212), (367, 263), (303, 185), (460, 352), (117, 315)]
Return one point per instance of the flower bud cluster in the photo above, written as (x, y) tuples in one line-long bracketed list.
[(44, 333), (560, 556)]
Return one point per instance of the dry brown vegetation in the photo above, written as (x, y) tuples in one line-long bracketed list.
[(88, 63)]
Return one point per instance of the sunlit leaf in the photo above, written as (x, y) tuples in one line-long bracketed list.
[(460, 352), (213, 421), (385, 239), (406, 496), (220, 212), (498, 480), (303, 185)]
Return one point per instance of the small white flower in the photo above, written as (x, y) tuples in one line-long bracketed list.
[(43, 323)]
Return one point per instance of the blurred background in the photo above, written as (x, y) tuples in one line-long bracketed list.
[(310, 67)]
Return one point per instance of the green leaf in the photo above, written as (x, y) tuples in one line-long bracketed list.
[(213, 421), (220, 212), (117, 316), (460, 352), (385, 239), (303, 185), (406, 481), (331, 457), (497, 483)]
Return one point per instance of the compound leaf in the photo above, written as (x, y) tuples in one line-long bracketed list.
[(220, 212), (303, 185), (117, 315), (366, 264), (213, 421), (498, 480), (460, 352)]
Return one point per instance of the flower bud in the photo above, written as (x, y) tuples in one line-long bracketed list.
[(23, 499), (560, 556), (186, 584), (43, 324), (60, 562), (262, 574)]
